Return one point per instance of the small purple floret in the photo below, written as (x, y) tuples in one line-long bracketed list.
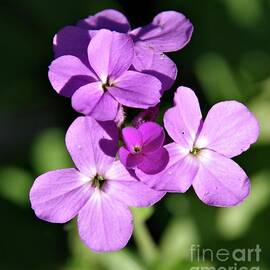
[(144, 148)]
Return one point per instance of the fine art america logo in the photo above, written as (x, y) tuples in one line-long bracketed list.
[(236, 259)]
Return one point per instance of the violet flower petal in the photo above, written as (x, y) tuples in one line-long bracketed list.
[(152, 135), (68, 73), (110, 54), (106, 109), (108, 19), (129, 160), (105, 224), (124, 187), (220, 181), (72, 40), (169, 31), (132, 137), (156, 64), (229, 129), (154, 162), (57, 196), (183, 121), (92, 145), (178, 174), (143, 57), (136, 90), (87, 97)]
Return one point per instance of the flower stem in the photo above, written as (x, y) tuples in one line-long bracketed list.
[(146, 246)]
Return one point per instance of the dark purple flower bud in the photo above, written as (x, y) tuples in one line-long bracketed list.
[(148, 115)]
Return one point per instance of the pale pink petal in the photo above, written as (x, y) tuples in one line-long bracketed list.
[(123, 186), (68, 73), (183, 121), (108, 19), (92, 145), (229, 129), (105, 224), (110, 54), (57, 196), (87, 97), (106, 109), (178, 174), (220, 181), (169, 31), (129, 160), (134, 89), (152, 136)]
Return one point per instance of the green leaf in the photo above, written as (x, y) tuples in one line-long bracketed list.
[(217, 78), (245, 12), (254, 66), (49, 151), (260, 106), (15, 184)]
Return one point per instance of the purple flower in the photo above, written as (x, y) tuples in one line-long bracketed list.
[(99, 191), (169, 31), (144, 148), (97, 88), (201, 152)]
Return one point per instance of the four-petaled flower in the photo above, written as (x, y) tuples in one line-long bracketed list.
[(106, 80), (144, 148), (201, 152), (99, 191)]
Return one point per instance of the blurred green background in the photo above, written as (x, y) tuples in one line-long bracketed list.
[(227, 58)]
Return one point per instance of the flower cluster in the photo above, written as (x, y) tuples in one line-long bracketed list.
[(104, 67)]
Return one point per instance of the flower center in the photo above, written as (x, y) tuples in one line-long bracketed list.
[(106, 84), (98, 181), (137, 149), (195, 151)]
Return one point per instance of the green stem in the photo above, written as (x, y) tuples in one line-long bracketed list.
[(146, 246)]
